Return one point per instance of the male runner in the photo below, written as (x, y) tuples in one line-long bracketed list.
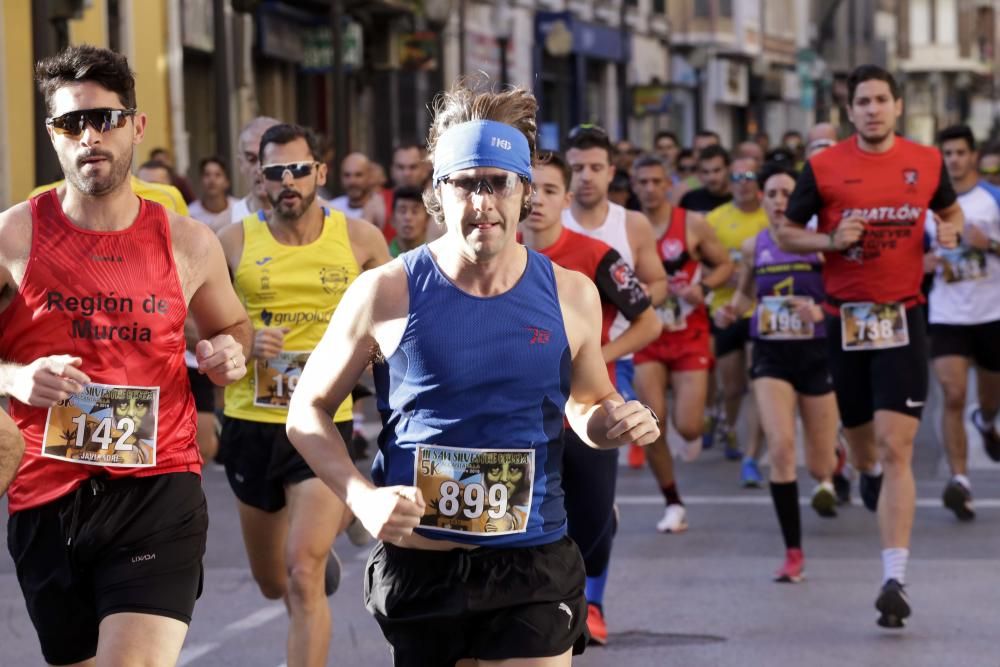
[(355, 179), (668, 147), (965, 317), (290, 267), (713, 172), (108, 519), (589, 154), (871, 193), (486, 345), (681, 356), (11, 450), (214, 207), (410, 218), (589, 475), (734, 222), (248, 162)]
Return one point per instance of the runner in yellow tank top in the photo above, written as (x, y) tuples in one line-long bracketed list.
[(291, 266)]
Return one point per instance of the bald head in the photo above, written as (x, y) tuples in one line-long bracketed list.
[(249, 155), (821, 136), (355, 178)]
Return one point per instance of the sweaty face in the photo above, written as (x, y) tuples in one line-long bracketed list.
[(410, 220), (714, 175), (291, 197), (874, 111), (483, 224), (214, 180), (777, 191), (651, 186), (592, 174), (959, 158), (549, 198), (95, 163), (408, 168)]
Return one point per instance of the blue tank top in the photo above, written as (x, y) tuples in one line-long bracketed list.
[(780, 273), (478, 373)]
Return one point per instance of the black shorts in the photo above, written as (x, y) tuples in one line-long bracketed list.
[(733, 338), (129, 545), (436, 607), (979, 342), (203, 390), (261, 461), (894, 379), (804, 364)]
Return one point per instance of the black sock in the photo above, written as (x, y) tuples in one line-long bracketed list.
[(671, 495), (786, 505)]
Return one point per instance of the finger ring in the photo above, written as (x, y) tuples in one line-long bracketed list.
[(233, 359)]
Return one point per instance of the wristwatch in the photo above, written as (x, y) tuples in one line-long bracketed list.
[(655, 417)]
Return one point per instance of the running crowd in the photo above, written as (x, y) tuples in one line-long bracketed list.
[(516, 314)]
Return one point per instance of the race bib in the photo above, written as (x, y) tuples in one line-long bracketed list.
[(105, 425), (274, 380), (777, 318), (479, 491), (873, 326), (672, 314), (962, 264)]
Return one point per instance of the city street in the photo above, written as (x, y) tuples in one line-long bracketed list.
[(702, 598)]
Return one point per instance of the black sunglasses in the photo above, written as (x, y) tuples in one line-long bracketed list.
[(73, 123), (276, 172)]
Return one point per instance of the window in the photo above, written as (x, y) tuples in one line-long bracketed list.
[(726, 8), (659, 6), (703, 9)]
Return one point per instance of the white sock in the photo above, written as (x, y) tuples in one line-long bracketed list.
[(963, 480), (894, 564), (875, 470)]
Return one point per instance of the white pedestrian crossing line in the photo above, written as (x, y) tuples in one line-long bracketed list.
[(980, 503)]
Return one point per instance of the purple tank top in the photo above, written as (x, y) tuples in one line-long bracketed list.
[(780, 273)]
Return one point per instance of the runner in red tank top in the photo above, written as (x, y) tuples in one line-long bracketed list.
[(871, 193), (681, 357), (589, 475), (108, 520)]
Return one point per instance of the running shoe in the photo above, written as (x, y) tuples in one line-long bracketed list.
[(357, 533), (793, 571), (636, 456), (869, 486), (958, 499), (841, 474), (732, 450), (331, 578), (710, 424), (750, 476), (892, 604), (596, 626), (991, 440), (674, 520), (824, 500)]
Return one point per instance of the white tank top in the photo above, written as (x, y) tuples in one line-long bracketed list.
[(973, 301), (614, 232)]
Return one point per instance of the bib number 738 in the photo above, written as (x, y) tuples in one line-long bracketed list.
[(873, 326)]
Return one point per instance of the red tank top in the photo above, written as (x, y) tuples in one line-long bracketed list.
[(114, 299), (681, 268)]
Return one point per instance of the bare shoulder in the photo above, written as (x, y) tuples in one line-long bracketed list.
[(231, 238), (575, 288), (190, 237), (362, 231), (15, 232), (635, 220)]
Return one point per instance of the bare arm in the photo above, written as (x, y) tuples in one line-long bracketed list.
[(648, 266), (368, 244), (641, 331), (950, 221), (11, 449), (596, 412), (711, 252)]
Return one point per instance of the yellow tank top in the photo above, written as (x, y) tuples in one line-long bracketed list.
[(733, 226), (295, 287)]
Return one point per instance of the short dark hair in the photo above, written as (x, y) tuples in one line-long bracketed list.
[(594, 137), (957, 132), (77, 64), (773, 169), (685, 153), (409, 145), (156, 164), (864, 73), (553, 159), (286, 133), (213, 159), (791, 133), (619, 182), (780, 154), (712, 152), (157, 151), (647, 160), (708, 133), (666, 134), (407, 194)]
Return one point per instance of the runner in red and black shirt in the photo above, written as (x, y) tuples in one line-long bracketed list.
[(871, 193), (681, 357), (589, 474), (108, 519)]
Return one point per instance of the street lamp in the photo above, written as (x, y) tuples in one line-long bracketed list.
[(503, 22), (437, 11)]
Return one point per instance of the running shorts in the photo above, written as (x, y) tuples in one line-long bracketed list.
[(733, 338), (687, 350), (979, 342), (804, 364)]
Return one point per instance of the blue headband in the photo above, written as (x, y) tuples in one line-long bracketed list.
[(481, 143)]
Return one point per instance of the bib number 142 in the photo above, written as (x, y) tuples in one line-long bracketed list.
[(102, 432)]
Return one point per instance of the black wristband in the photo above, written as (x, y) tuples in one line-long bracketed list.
[(655, 417)]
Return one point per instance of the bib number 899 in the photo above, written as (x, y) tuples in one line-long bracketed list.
[(474, 499), (102, 432)]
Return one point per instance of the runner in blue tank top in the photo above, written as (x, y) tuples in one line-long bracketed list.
[(790, 367), (486, 346)]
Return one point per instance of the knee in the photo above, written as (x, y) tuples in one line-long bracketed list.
[(272, 589), (690, 426), (305, 580), (954, 396), (782, 452), (895, 450)]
